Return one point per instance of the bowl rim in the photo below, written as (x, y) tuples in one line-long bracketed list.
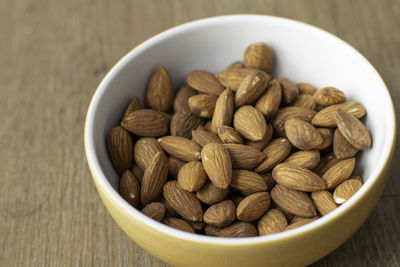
[(103, 184)]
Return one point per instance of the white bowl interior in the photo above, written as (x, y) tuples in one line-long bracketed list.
[(302, 53)]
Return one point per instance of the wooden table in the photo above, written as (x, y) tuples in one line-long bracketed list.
[(54, 53)]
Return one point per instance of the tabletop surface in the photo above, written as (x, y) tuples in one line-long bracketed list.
[(53, 55)]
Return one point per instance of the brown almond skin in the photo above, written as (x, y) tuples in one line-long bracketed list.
[(183, 122), (178, 224), (269, 180), (183, 202), (221, 214), (305, 101), (233, 78), (138, 172), (269, 102), (210, 194), (181, 101), (217, 164), (174, 165), (302, 222), (298, 178), (302, 135), (260, 145), (223, 112), (129, 188), (202, 137), (169, 211), (229, 135), (205, 82), (235, 65), (212, 230), (248, 182), (192, 176), (258, 56), (144, 151), (160, 91), (250, 123), (324, 202), (329, 96), (239, 229), (339, 172), (276, 152), (244, 157), (119, 145), (293, 201), (253, 206), (325, 163), (203, 105), (327, 118), (341, 147), (154, 178), (290, 91), (272, 222), (154, 210), (327, 138), (306, 159), (346, 190), (132, 106), (251, 88), (353, 130), (306, 88), (180, 148), (197, 226), (146, 122), (357, 177), (283, 114)]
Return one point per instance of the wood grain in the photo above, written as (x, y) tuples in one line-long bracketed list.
[(53, 55)]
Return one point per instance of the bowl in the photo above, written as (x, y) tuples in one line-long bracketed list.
[(304, 54)]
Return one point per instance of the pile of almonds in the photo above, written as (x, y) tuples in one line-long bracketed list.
[(242, 154)]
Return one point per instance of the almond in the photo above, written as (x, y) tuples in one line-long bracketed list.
[(353, 130), (305, 101), (154, 178), (290, 91), (181, 101), (207, 125), (293, 201), (276, 152), (283, 114), (221, 214), (306, 159), (324, 202), (327, 138), (258, 56), (210, 194), (326, 162), (306, 88), (253, 206), (341, 147), (251, 88), (244, 157), (160, 92), (180, 148), (299, 223), (192, 176), (132, 106), (269, 180), (146, 122), (169, 211), (272, 222), (357, 177), (329, 96), (223, 111), (248, 182), (298, 178), (212, 230), (217, 164), (138, 172), (269, 102), (203, 105), (239, 229), (202, 137), (119, 145), (197, 226), (250, 123), (339, 172), (178, 224), (183, 202), (144, 151), (205, 82), (228, 135), (260, 145), (129, 188), (154, 210), (235, 65), (183, 123), (302, 134), (174, 165), (346, 190), (233, 78), (327, 118)]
